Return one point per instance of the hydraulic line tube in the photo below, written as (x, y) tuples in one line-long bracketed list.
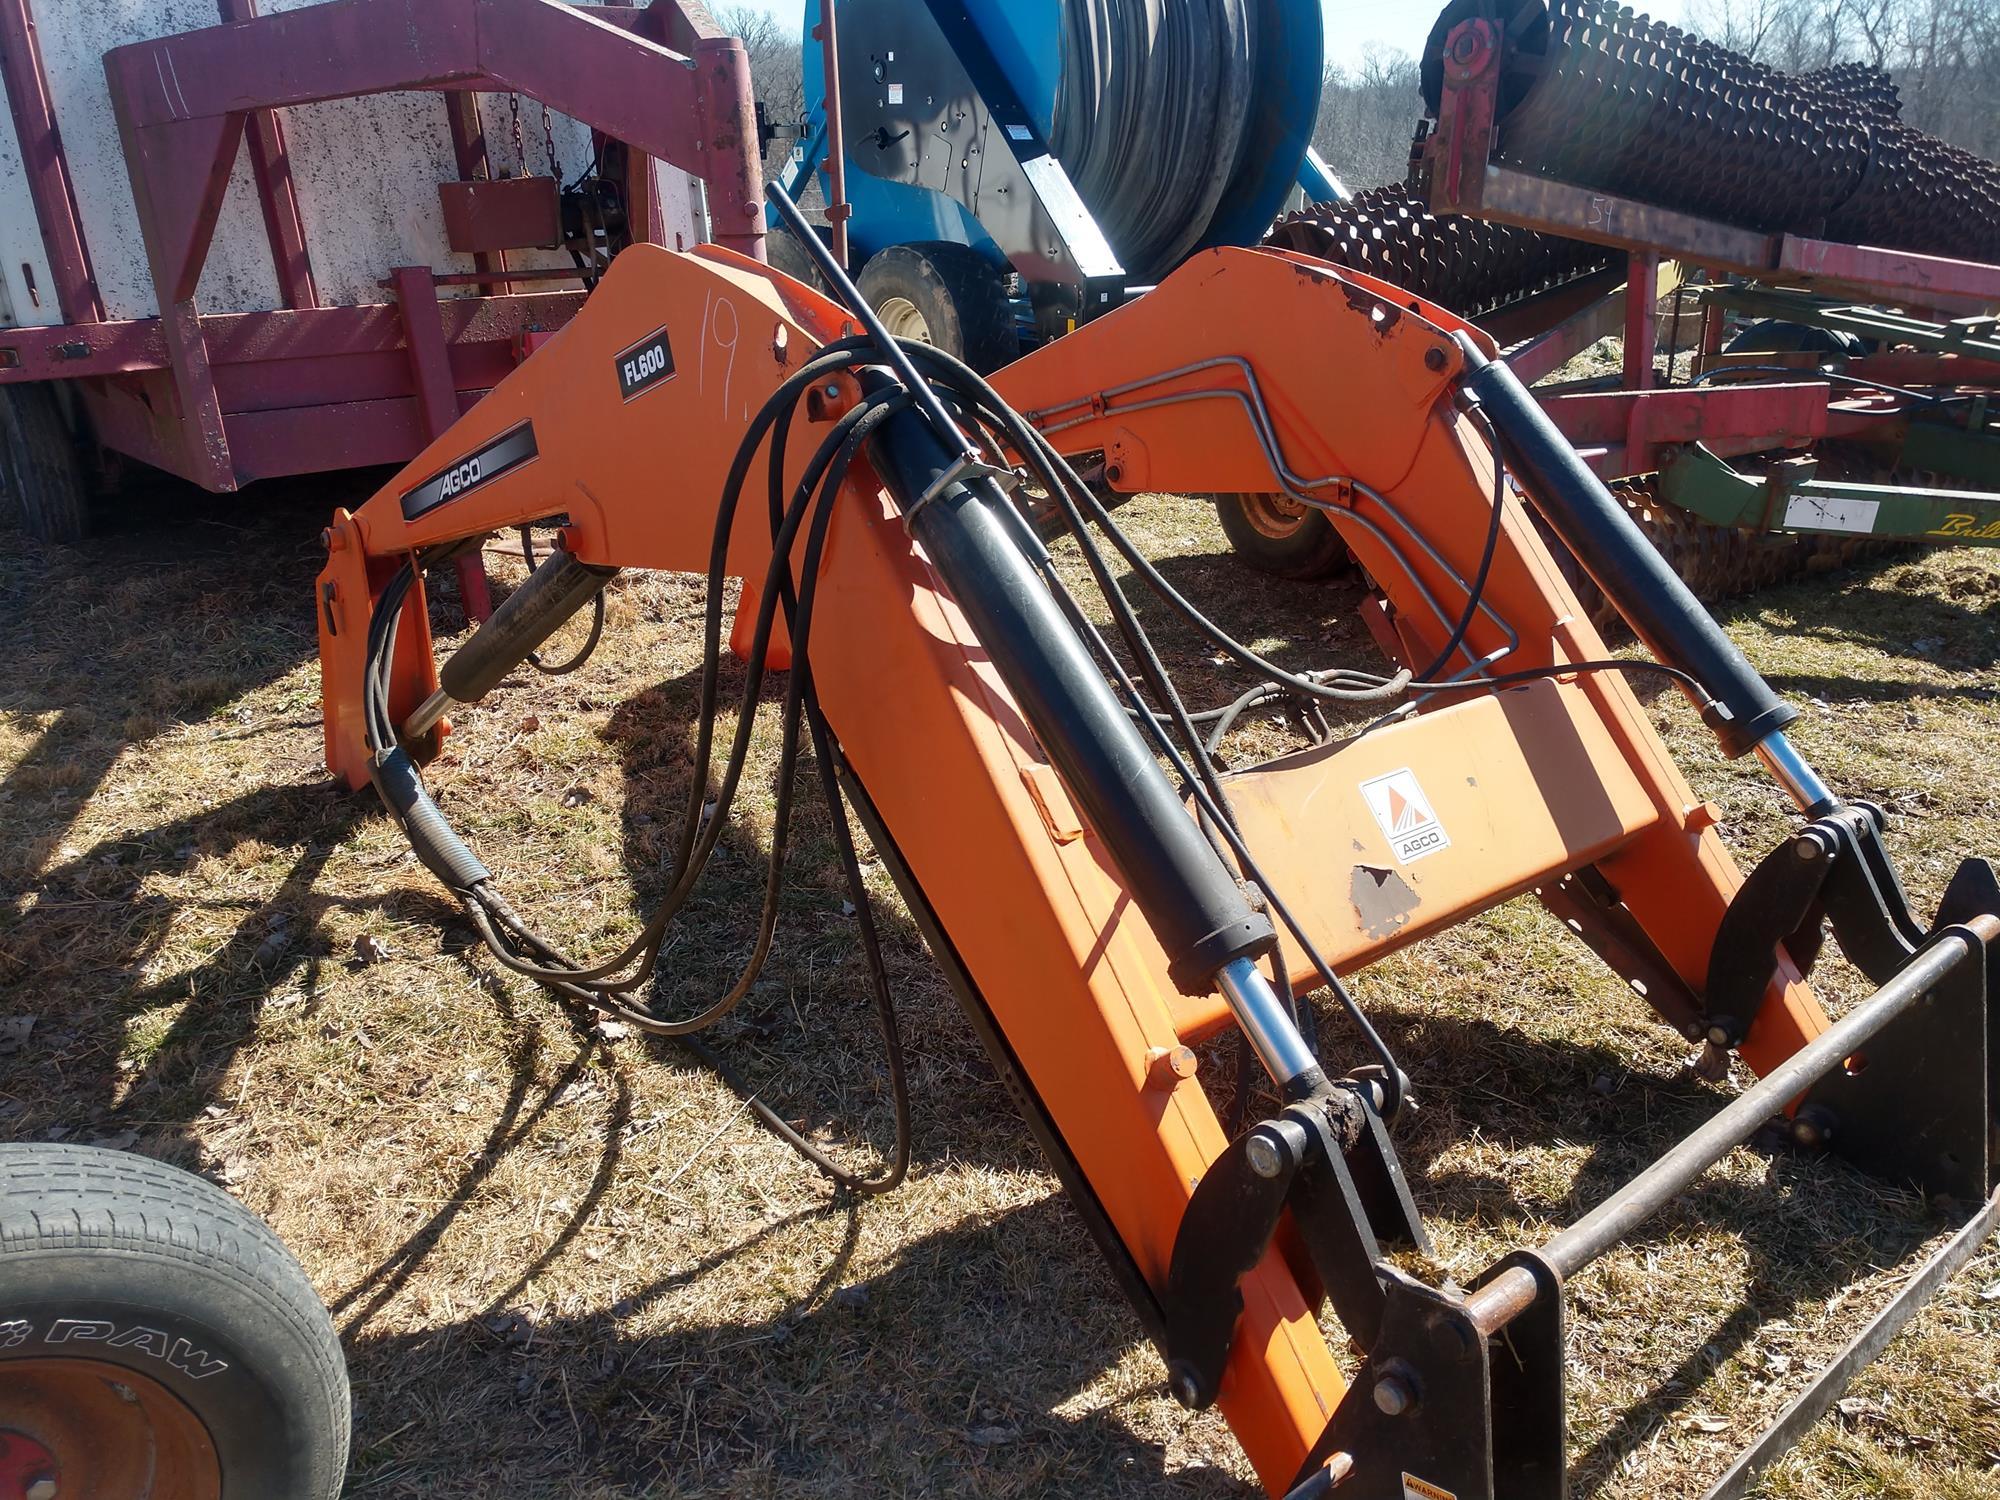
[(1615, 553), (1194, 904), (532, 613)]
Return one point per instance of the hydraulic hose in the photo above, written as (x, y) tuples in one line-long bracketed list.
[(1153, 115)]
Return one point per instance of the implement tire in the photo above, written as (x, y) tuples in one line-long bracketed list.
[(41, 474), (153, 1331), (946, 295), (1281, 537)]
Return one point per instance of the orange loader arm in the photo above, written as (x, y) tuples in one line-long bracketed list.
[(1246, 371)]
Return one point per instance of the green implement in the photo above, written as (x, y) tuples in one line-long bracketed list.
[(1790, 497)]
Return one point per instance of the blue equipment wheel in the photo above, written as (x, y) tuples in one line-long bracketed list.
[(946, 295)]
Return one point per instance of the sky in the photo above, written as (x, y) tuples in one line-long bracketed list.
[(1352, 26)]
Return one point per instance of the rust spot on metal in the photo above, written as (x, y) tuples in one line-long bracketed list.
[(1383, 315), (1383, 900)]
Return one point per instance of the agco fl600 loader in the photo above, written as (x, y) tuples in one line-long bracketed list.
[(1101, 894)]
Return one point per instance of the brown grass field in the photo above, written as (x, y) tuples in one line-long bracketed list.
[(565, 1267)]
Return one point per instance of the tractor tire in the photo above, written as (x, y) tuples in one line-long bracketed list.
[(1773, 336), (41, 471), (151, 1326), (1283, 538), (946, 295), (786, 254)]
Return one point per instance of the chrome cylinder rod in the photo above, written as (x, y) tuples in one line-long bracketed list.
[(1267, 1021), (1796, 775)]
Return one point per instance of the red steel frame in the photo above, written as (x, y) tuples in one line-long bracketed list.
[(1624, 432), (223, 399)]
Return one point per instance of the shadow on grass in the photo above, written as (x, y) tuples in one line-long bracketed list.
[(832, 1396), (1809, 1228)]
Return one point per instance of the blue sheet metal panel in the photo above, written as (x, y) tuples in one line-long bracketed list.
[(885, 213), (1026, 38), (1291, 55)]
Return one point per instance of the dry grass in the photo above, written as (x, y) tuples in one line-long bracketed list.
[(567, 1268)]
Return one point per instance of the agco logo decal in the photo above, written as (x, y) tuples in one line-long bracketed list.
[(507, 452), (464, 477), (1404, 815), (170, 1349)]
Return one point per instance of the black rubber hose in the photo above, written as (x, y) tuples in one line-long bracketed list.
[(1152, 117)]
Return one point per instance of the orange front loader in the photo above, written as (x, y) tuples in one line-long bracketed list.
[(1105, 899)]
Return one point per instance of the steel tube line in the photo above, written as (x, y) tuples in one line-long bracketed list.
[(1497, 1303)]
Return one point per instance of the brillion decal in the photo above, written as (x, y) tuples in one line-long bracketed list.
[(645, 365), (506, 453), (1403, 813)]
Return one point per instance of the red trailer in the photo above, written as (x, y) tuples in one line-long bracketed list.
[(488, 256)]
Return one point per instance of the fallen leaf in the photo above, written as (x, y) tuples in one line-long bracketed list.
[(369, 949)]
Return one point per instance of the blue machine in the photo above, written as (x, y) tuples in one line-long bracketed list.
[(950, 119)]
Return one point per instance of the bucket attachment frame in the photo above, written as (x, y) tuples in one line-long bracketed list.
[(1462, 1392)]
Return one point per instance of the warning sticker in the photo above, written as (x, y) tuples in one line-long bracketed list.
[(1404, 814), (1417, 1489), (1825, 513)]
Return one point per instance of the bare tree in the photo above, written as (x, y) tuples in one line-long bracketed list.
[(1944, 54), (777, 68), (1366, 116)]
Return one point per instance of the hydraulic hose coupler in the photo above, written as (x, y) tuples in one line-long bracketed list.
[(531, 614)]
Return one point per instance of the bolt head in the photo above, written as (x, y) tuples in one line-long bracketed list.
[(1186, 1389), (1263, 1156), (42, 1487), (1393, 1396), (1807, 849), (1434, 360)]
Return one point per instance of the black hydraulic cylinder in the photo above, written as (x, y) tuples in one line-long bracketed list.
[(1193, 902), (530, 615), (1658, 606)]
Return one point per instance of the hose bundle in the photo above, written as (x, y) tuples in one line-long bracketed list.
[(1152, 117)]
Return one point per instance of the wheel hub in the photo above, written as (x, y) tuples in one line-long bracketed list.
[(1274, 516), (904, 319), (28, 1471), (82, 1429)]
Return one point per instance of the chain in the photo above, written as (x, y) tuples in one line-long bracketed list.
[(520, 150), (549, 141)]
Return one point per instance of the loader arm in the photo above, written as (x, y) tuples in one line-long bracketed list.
[(1245, 371), (1257, 371)]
